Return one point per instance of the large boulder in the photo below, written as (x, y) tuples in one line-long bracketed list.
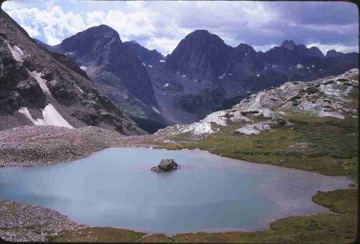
[(166, 165)]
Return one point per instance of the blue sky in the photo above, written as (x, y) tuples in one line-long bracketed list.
[(161, 25)]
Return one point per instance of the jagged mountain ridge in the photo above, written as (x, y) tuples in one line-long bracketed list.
[(43, 88), (117, 70), (203, 74), (146, 56)]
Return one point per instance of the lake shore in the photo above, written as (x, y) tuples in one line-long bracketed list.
[(31, 146), (25, 222)]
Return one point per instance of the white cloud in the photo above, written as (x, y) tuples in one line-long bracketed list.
[(164, 44), (264, 48), (52, 22), (131, 25), (161, 25)]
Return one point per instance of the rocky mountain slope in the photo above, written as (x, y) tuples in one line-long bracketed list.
[(308, 125), (146, 56), (203, 74), (333, 96), (38, 87), (117, 70)]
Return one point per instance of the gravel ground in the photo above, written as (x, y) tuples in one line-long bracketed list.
[(25, 222), (30, 146)]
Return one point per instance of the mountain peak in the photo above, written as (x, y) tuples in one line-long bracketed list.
[(89, 40), (200, 53), (245, 47), (332, 53), (102, 29), (203, 35), (199, 33), (288, 44), (315, 51), (134, 42)]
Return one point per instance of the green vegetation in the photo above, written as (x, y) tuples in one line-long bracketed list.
[(337, 227), (327, 146), (332, 145), (324, 145)]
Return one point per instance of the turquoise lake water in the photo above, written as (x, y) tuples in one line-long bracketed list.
[(116, 188)]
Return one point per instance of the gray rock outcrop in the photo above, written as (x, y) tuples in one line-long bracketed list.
[(165, 165)]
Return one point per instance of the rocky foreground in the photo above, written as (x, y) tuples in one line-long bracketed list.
[(322, 138), (28, 146), (25, 222)]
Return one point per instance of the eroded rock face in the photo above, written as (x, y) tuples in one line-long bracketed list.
[(166, 165), (32, 80)]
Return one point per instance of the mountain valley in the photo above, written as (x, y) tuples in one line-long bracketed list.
[(202, 74), (289, 107)]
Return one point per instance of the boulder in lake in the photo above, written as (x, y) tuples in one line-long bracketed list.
[(166, 165)]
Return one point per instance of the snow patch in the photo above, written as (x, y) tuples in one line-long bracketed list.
[(41, 81), (150, 66), (50, 117), (166, 85), (83, 67), (16, 52), (69, 53), (79, 88), (143, 64), (257, 75), (299, 66), (155, 110), (141, 102), (53, 117), (162, 61), (183, 76)]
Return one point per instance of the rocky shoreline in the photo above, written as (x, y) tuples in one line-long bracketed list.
[(22, 222), (30, 146)]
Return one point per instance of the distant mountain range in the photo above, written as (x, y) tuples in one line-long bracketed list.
[(202, 74), (40, 87)]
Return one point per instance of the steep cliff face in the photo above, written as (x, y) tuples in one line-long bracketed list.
[(101, 48), (203, 74), (38, 87), (117, 71), (146, 56), (200, 55), (200, 76)]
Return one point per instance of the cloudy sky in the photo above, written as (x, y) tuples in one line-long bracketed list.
[(161, 25)]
